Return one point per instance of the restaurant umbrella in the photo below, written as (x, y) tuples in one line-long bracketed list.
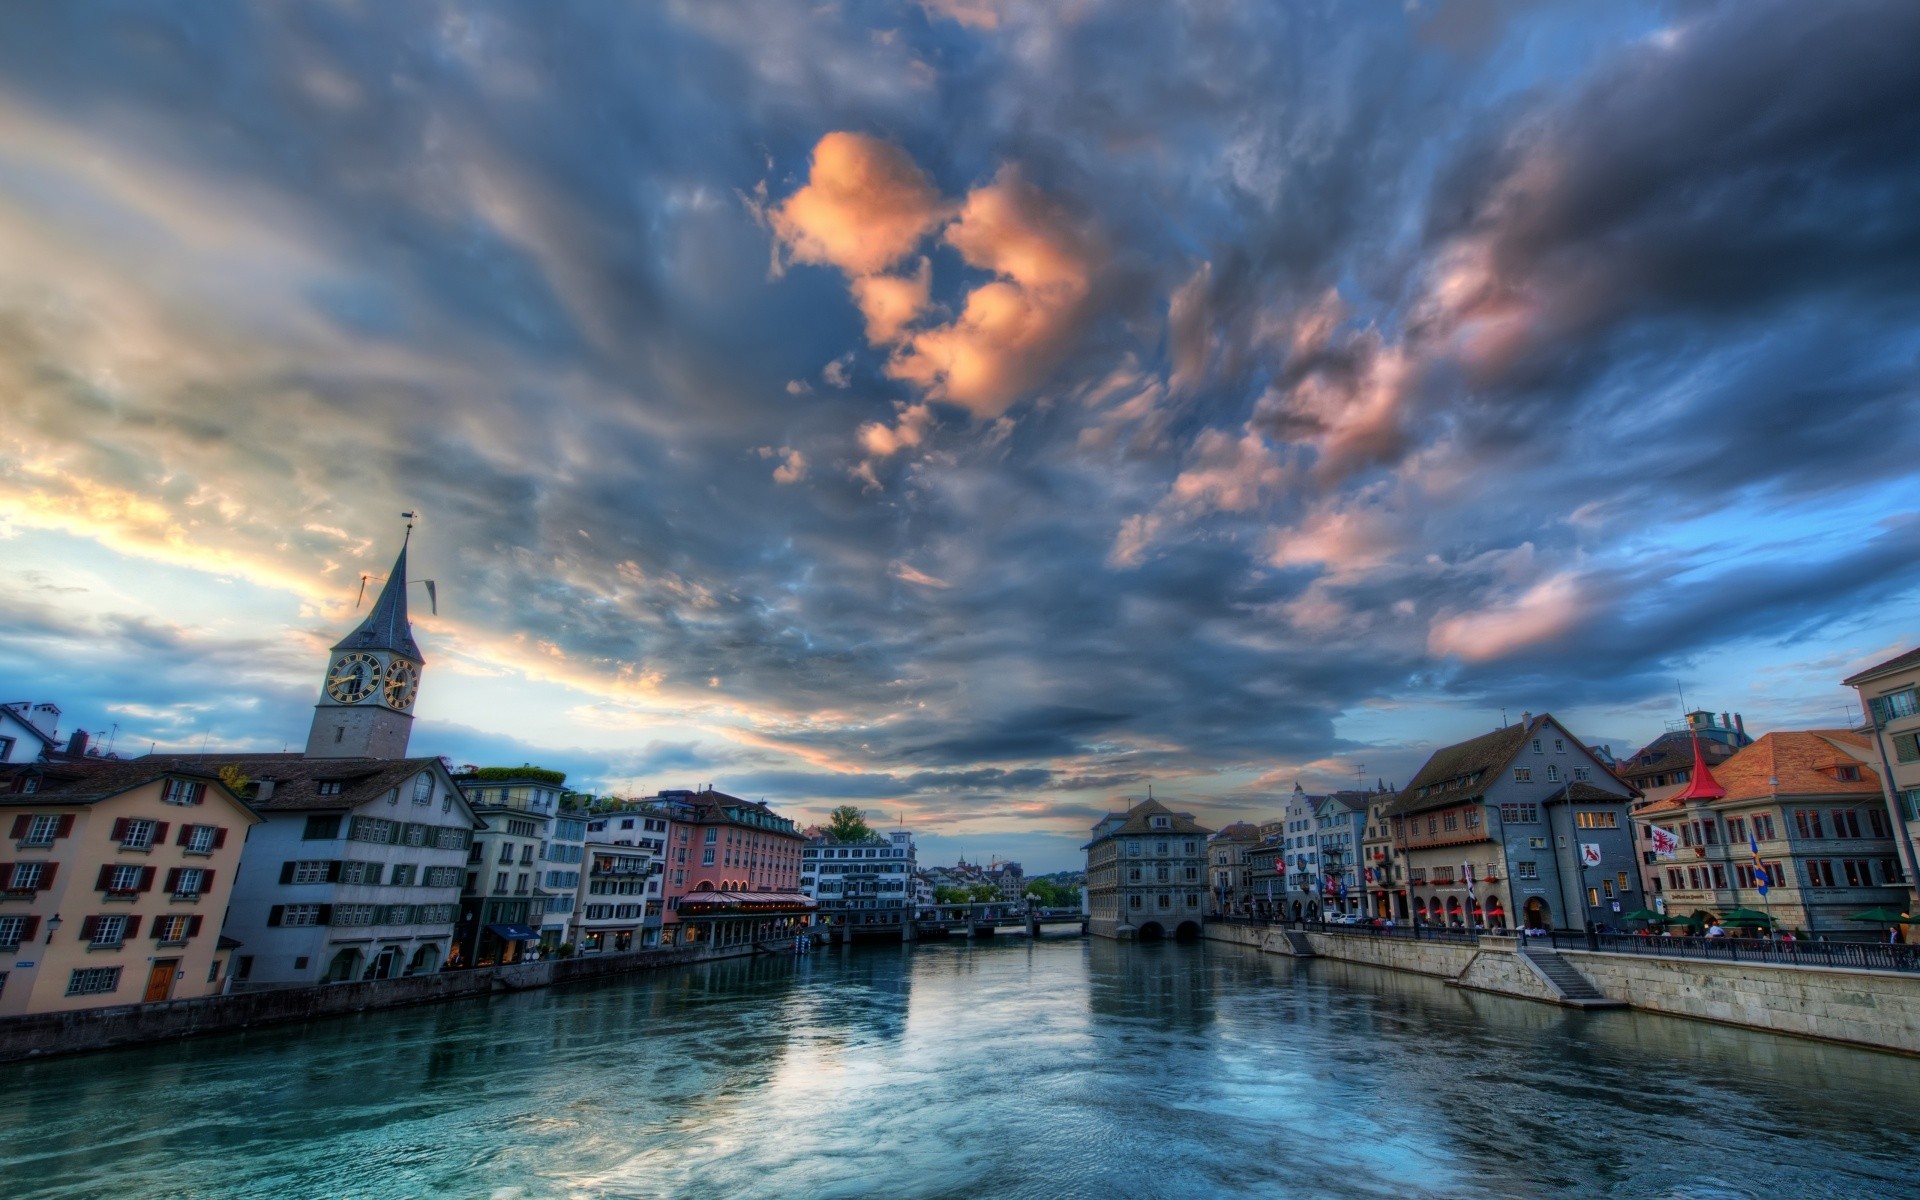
[(1745, 916), (1645, 914), (1885, 916)]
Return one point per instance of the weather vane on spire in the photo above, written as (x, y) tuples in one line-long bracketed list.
[(433, 593)]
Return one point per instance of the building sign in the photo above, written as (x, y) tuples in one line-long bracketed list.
[(1589, 854)]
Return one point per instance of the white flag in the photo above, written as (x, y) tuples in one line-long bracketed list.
[(1666, 843)]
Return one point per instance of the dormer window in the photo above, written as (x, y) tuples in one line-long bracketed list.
[(1847, 774), (423, 787), (1162, 823), (329, 787)]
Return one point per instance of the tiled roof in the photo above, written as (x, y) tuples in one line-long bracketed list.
[(1239, 831), (87, 781), (297, 778), (1898, 662), (1586, 793), (1800, 760), (1461, 761), (1137, 821)]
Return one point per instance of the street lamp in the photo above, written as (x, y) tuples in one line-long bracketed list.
[(53, 926)]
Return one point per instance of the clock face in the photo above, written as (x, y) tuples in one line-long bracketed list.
[(402, 681), (353, 678)]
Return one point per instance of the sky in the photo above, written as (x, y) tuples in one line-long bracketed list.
[(976, 411)]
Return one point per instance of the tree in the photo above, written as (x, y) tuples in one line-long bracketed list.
[(847, 825), (983, 892)]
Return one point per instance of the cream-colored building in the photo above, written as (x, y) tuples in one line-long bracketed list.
[(115, 883), (1890, 698)]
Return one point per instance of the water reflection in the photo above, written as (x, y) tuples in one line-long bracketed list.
[(1060, 1068)]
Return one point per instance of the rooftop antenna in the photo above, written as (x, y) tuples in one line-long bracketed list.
[(1503, 716)]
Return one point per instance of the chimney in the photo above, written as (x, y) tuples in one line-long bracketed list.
[(77, 744), (1726, 722), (1526, 719), (262, 789), (1740, 724)]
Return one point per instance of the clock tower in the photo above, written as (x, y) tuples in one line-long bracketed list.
[(366, 699)]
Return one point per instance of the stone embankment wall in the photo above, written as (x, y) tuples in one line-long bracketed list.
[(1871, 1008), (1879, 1009), (134, 1024)]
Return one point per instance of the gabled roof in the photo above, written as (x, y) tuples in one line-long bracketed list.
[(1138, 820), (1457, 772), (386, 626), (1790, 763), (1898, 662), (91, 780), (1239, 831), (20, 711), (297, 779)]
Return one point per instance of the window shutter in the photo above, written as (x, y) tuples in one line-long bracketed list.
[(119, 833), (274, 914), (219, 836), (206, 882), (88, 928), (1879, 706), (193, 926), (133, 929), (146, 879), (198, 793), (20, 826), (30, 931), (286, 872), (6, 875), (185, 835), (46, 876), (65, 827), (326, 915), (160, 834), (106, 877), (333, 871), (173, 879)]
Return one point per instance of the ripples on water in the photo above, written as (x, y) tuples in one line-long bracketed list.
[(1060, 1069)]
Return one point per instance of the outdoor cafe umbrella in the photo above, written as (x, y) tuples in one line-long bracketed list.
[(1885, 916), (1745, 916), (1645, 914)]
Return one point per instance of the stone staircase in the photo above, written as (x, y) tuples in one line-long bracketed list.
[(1302, 948), (1575, 989)]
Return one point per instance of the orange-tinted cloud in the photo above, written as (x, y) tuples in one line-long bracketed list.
[(892, 302), (1012, 331), (1544, 611), (864, 207)]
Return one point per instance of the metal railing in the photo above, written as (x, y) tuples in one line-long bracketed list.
[(1863, 956), (1423, 932)]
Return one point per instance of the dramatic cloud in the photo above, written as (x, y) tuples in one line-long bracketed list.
[(1204, 395)]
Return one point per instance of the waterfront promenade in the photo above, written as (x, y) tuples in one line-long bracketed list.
[(1030, 1069)]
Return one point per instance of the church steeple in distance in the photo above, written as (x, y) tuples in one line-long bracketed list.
[(373, 674)]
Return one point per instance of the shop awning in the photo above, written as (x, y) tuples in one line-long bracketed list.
[(514, 933)]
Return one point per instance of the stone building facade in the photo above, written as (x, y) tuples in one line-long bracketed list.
[(1147, 874)]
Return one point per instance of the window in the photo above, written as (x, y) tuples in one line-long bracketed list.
[(310, 870), (1906, 747), (1583, 772), (713, 836), (1538, 843), (120, 880), (403, 874), (416, 835), (1526, 870), (1763, 827), (1523, 775), (1819, 873), (1473, 818), (93, 981), (506, 852), (1166, 901), (423, 788), (1161, 823), (201, 839), (396, 914), (1806, 821), (188, 882), (1846, 823), (329, 787), (29, 876), (40, 830), (14, 931), (1593, 897), (1520, 814), (449, 837), (1159, 847), (136, 834), (1597, 820), (361, 872), (1719, 875), (1606, 888), (1877, 822), (1559, 745), (378, 830), (105, 931), (321, 829), (441, 877), (1451, 820), (1859, 872), (500, 882), (1621, 880), (1553, 773), (1536, 745), (1134, 900), (706, 858), (1736, 830), (183, 791), (175, 930)]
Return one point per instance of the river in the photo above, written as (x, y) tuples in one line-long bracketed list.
[(1058, 1069)]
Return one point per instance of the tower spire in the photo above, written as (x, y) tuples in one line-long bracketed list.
[(1701, 785), (386, 626)]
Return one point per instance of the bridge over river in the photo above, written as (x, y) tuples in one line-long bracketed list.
[(935, 922)]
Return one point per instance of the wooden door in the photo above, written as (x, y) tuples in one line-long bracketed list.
[(160, 982)]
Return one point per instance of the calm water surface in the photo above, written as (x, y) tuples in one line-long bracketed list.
[(1061, 1069)]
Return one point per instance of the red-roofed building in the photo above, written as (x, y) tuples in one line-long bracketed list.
[(721, 843), (1810, 801)]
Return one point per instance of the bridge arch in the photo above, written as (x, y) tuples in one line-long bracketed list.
[(1188, 931), (1151, 932)]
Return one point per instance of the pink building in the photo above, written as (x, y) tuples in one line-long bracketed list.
[(721, 843)]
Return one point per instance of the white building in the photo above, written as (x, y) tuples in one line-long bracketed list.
[(27, 731), (504, 901), (355, 872), (618, 907), (869, 882), (563, 866)]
